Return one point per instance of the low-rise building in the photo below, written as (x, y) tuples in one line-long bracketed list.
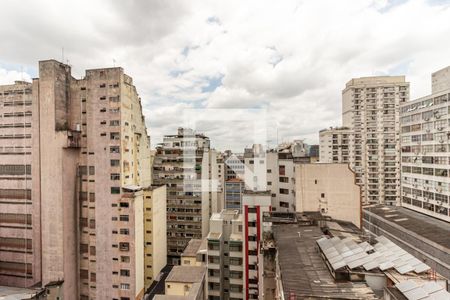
[(195, 253), (184, 282), (425, 237)]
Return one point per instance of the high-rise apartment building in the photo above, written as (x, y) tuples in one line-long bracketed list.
[(370, 119), (337, 145), (425, 152), (20, 237), (75, 156), (183, 163)]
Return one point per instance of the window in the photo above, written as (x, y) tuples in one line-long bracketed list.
[(284, 179), (124, 218), (322, 195), (114, 136), (284, 191), (125, 273), (115, 190), (282, 170), (125, 259), (124, 286), (124, 246), (115, 163), (115, 176), (125, 231), (114, 123)]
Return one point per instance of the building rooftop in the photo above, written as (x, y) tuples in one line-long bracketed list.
[(14, 293), (304, 273), (427, 227), (186, 274), (192, 248)]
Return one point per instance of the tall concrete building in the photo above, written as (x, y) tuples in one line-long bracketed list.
[(20, 220), (425, 152), (183, 163), (370, 117), (75, 156)]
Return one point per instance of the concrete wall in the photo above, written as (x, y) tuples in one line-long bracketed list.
[(329, 188), (58, 178), (440, 80), (155, 235)]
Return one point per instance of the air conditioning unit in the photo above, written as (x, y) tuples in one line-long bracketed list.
[(437, 116)]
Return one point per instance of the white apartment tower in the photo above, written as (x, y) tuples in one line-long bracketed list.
[(369, 139), (425, 154)]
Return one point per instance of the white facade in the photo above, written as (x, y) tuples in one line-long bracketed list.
[(425, 134)]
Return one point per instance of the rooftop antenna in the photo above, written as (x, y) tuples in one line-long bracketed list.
[(62, 54)]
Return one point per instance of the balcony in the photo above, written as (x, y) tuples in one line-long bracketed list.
[(73, 139)]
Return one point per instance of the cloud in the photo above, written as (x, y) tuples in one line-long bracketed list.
[(291, 58)]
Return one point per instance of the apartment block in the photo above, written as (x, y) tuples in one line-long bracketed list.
[(20, 220), (328, 188), (76, 210), (425, 152), (155, 235), (273, 170), (234, 257), (370, 126), (337, 146), (254, 204), (183, 163), (225, 256)]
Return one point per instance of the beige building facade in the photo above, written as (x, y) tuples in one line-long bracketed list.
[(328, 188), (77, 206), (155, 235)]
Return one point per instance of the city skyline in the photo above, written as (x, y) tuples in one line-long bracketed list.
[(242, 60)]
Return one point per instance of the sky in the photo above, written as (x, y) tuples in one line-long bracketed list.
[(222, 67)]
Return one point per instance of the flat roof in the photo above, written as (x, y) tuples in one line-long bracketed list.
[(186, 274), (303, 271), (15, 293), (427, 227), (192, 247)]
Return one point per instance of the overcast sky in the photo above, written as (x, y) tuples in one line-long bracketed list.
[(285, 60)]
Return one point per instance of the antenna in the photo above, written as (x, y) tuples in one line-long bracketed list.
[(62, 54)]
